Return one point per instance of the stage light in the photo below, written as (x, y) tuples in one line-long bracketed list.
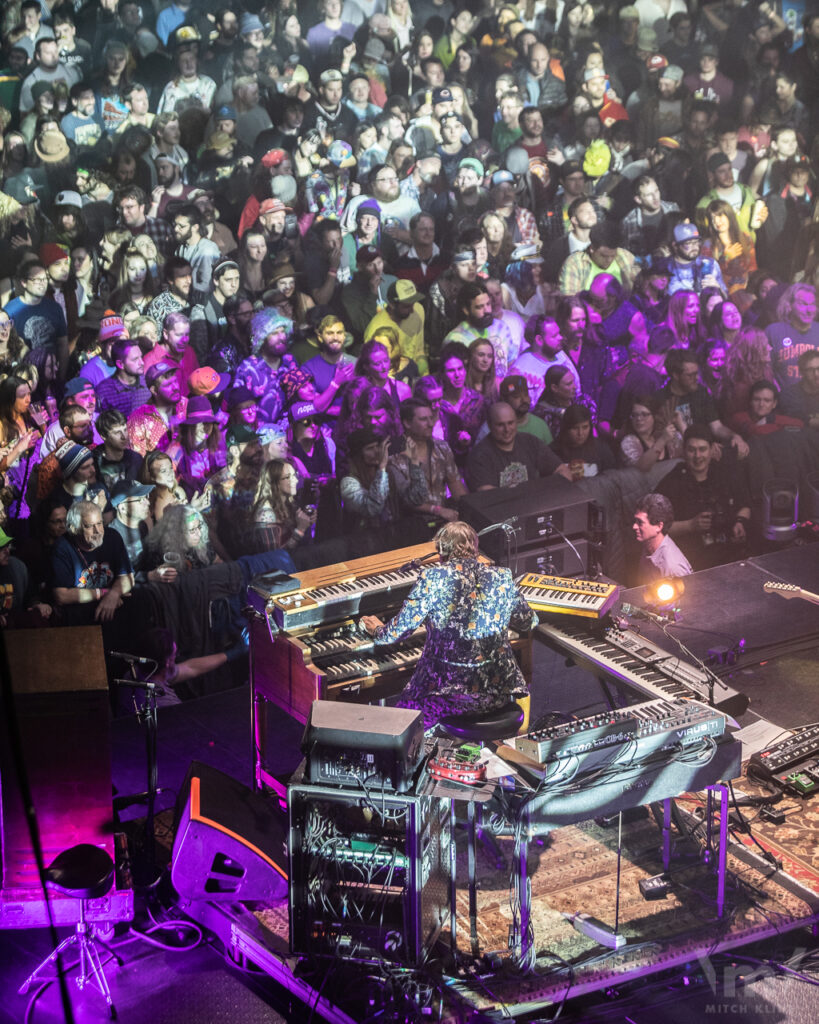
[(663, 593)]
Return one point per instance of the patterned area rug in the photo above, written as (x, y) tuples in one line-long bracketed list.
[(577, 872)]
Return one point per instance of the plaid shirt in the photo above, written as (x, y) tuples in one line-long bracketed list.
[(160, 231), (575, 272), (632, 227), (113, 394)]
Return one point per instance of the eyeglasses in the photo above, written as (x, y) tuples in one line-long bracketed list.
[(38, 277)]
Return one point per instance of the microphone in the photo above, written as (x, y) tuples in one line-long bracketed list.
[(505, 525), (636, 612), (133, 658)]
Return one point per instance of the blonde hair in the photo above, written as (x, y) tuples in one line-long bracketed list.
[(456, 540)]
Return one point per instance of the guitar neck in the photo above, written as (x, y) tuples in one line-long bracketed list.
[(788, 591)]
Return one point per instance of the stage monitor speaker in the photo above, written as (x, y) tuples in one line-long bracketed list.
[(230, 843), (556, 559), (60, 693), (540, 509), (780, 509)]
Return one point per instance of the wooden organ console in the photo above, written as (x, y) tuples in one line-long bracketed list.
[(307, 646)]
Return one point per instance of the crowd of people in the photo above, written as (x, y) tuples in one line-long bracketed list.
[(275, 273)]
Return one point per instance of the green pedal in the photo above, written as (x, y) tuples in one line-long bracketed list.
[(801, 782)]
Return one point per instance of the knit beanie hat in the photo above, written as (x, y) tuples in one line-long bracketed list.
[(71, 457), (111, 326), (264, 323)]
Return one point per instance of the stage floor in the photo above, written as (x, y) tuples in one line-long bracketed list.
[(574, 872)]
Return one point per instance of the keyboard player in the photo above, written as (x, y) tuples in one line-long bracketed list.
[(468, 608)]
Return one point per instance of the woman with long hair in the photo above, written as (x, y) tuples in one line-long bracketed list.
[(463, 406), (19, 434), (724, 322), (480, 370), (729, 245), (465, 70), (400, 14), (521, 289), (647, 436), (289, 39), (402, 368), (649, 294), (135, 282), (46, 387), (577, 445), (367, 493), (278, 521), (199, 451), (13, 350), (560, 390), (685, 321), (375, 365), (182, 531), (748, 361), (254, 264), (578, 321), (712, 362), (499, 243)]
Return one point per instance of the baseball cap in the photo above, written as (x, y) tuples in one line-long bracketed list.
[(302, 411), (797, 162), (673, 72), (125, 489), (273, 157), (158, 370), (709, 50), (226, 113), (591, 73), (571, 167), (330, 75), (647, 39), (629, 12), (272, 206), (717, 160), (442, 95), (685, 231), (199, 410), (403, 291), (473, 164), (76, 385), (206, 381), (529, 252), (219, 140), (68, 198), (5, 540), (366, 254), (656, 62), (513, 386), (502, 177)]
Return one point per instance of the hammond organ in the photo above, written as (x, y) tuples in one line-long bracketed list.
[(306, 645)]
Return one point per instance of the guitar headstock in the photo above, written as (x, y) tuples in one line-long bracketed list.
[(786, 590)]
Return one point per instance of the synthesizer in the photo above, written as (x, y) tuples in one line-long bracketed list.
[(655, 724), (623, 656), (589, 598)]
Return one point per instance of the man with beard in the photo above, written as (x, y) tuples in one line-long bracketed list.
[(223, 45), (270, 335), (582, 218), (644, 227), (687, 269), (151, 425), (57, 262), (178, 275), (396, 208), (367, 292), (208, 320), (479, 322), (91, 571), (212, 227), (327, 112), (198, 250), (471, 200), (169, 185), (124, 390), (514, 390), (131, 202), (405, 313), (175, 348), (272, 223), (235, 346), (326, 366)]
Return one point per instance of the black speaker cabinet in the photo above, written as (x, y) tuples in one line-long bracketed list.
[(556, 559), (229, 843), (369, 873)]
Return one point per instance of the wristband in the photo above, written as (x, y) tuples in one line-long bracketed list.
[(298, 533), (332, 273)]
